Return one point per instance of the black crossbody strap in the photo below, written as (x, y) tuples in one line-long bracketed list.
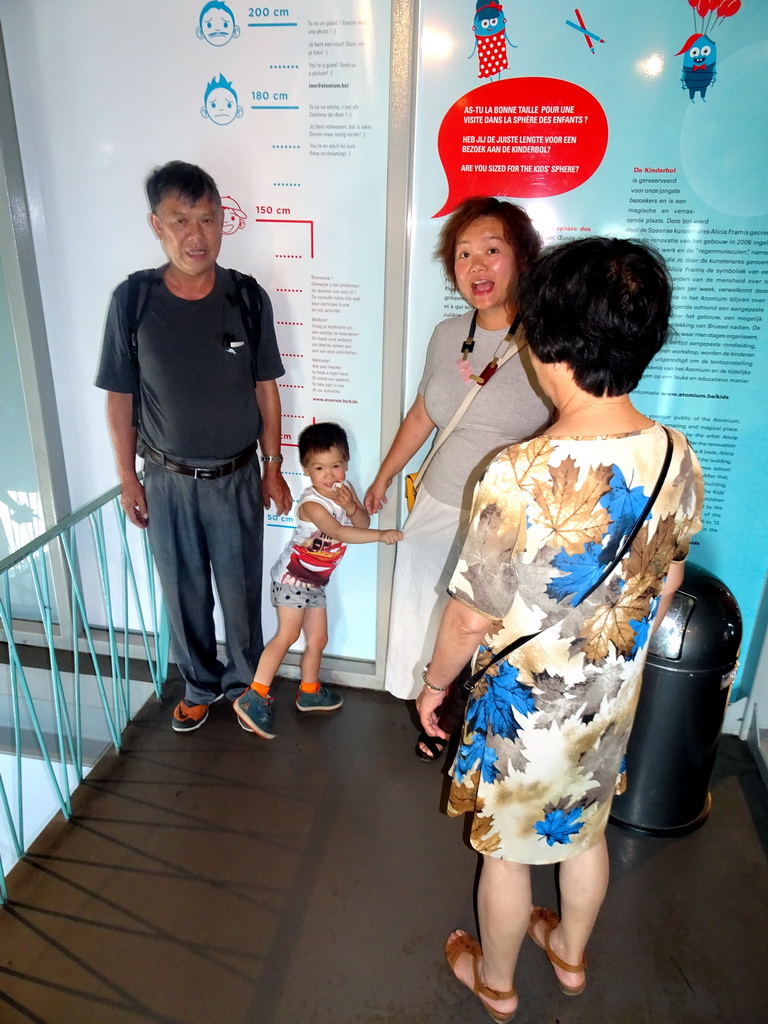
[(477, 676), (638, 522), (605, 573)]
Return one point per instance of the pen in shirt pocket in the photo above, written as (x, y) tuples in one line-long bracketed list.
[(231, 342)]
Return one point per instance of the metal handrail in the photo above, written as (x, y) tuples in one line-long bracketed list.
[(62, 751), (55, 531)]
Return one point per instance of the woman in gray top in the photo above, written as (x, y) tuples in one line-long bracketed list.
[(484, 246)]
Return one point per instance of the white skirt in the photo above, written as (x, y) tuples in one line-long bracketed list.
[(433, 536)]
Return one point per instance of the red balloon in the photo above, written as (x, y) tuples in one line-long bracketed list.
[(693, 3), (714, 4), (703, 8), (728, 8)]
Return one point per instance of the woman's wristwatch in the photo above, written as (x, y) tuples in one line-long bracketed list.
[(431, 686)]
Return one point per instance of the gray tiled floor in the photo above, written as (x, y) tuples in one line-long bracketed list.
[(215, 878)]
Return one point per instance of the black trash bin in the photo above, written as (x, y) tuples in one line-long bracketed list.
[(686, 684)]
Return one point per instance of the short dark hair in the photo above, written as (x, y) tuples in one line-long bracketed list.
[(188, 181), (519, 232), (602, 306), (321, 437)]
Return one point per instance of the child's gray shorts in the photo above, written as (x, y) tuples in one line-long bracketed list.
[(297, 597)]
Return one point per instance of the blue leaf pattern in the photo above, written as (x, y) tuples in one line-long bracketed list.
[(624, 504), (476, 750), (507, 693), (642, 628), (492, 713), (582, 571), (558, 827)]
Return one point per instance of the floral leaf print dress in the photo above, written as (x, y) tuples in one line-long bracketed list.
[(546, 728)]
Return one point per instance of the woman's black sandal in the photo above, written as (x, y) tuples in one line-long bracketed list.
[(435, 744)]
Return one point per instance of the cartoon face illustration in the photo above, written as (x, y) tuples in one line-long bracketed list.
[(703, 52), (700, 55), (490, 38), (234, 217), (489, 19), (217, 24), (220, 104)]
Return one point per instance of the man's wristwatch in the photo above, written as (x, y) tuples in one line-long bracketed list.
[(271, 458)]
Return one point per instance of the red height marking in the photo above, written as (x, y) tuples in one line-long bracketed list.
[(280, 220)]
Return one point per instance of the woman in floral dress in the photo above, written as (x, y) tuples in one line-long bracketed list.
[(547, 724)]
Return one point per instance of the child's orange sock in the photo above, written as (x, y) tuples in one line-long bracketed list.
[(260, 688), (309, 687)]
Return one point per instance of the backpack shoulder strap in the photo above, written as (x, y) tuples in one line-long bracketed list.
[(139, 291), (139, 285), (247, 298)]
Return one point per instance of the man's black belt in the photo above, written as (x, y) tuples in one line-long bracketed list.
[(202, 472)]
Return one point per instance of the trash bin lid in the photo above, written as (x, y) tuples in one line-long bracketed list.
[(702, 629)]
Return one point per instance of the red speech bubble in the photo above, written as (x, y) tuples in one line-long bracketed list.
[(521, 137)]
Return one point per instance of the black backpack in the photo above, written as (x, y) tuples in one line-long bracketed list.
[(246, 296)]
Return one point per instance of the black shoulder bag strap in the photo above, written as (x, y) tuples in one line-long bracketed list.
[(139, 288), (470, 682), (247, 298)]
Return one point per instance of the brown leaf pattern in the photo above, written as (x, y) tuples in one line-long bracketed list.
[(646, 567), (547, 727), (527, 461), (571, 511), (484, 838)]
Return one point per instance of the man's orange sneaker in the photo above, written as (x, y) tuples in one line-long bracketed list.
[(188, 716)]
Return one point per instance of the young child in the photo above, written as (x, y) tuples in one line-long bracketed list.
[(328, 517)]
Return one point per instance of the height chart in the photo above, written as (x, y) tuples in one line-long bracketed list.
[(639, 121), (298, 91), (286, 105)]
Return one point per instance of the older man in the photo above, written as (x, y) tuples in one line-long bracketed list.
[(190, 362)]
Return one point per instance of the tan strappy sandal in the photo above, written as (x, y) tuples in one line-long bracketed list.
[(461, 942), (550, 920)]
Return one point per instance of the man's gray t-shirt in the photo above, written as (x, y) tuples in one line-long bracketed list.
[(508, 409), (196, 380)]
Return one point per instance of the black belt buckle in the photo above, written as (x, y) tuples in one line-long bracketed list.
[(208, 474)]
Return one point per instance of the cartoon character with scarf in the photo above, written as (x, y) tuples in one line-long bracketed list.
[(490, 38)]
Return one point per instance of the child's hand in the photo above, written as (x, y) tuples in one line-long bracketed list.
[(345, 497), (390, 536)]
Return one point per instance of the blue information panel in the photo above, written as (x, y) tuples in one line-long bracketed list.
[(641, 121)]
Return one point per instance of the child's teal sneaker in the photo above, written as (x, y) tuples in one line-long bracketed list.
[(254, 713), (323, 700)]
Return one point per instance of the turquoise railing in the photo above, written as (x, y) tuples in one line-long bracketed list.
[(91, 577)]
